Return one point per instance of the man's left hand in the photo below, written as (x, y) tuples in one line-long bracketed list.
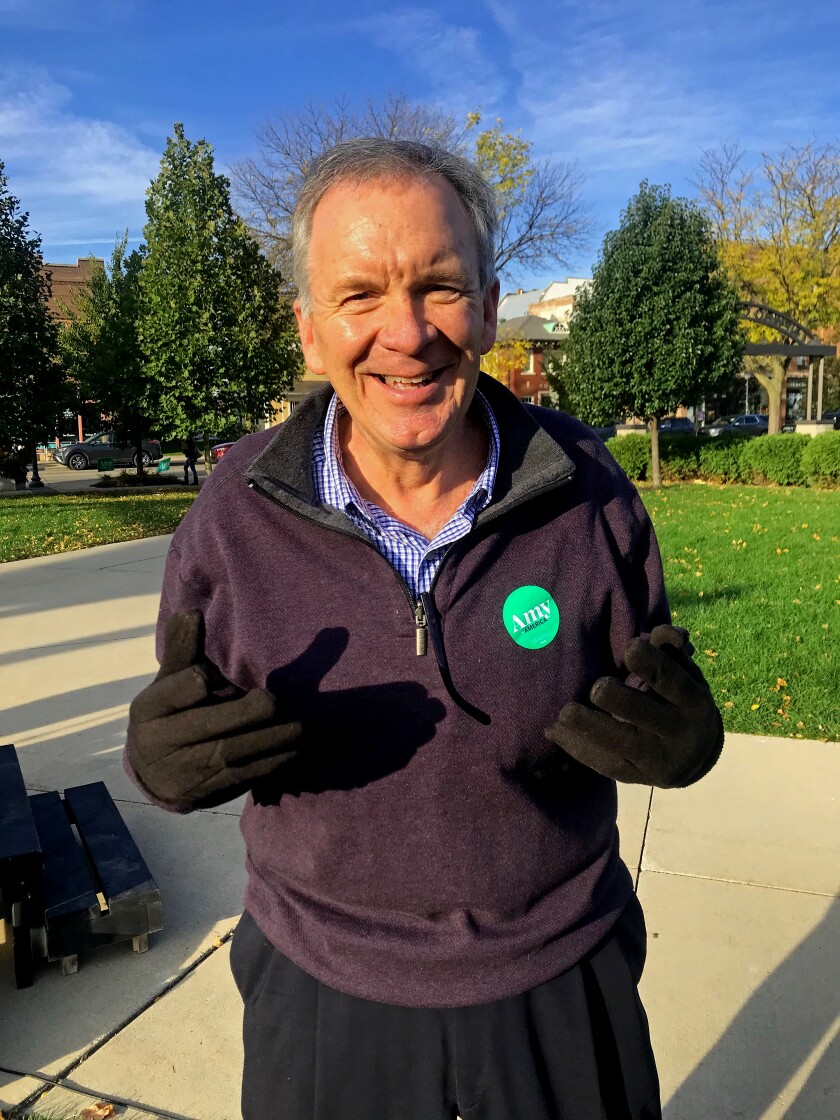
[(668, 736)]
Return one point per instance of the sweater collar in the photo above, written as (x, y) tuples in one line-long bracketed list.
[(530, 461)]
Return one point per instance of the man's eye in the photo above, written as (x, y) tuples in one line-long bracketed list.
[(358, 297)]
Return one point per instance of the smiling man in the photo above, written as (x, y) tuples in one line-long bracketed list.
[(424, 627)]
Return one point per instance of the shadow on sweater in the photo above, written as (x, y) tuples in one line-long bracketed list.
[(351, 736)]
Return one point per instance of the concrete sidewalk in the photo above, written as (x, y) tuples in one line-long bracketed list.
[(738, 877)]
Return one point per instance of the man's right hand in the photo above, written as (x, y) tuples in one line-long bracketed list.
[(191, 749)]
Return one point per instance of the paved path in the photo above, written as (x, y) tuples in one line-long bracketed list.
[(738, 877)]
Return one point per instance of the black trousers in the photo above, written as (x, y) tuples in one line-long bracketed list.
[(575, 1048)]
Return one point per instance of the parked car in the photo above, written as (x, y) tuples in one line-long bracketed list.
[(835, 416), (745, 423), (219, 450), (676, 426), (81, 456)]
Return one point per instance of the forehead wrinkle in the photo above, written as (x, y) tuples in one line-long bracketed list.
[(370, 248)]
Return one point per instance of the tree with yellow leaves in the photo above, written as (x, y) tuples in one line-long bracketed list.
[(777, 229)]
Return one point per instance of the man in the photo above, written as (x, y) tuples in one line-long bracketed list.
[(404, 621), (190, 449)]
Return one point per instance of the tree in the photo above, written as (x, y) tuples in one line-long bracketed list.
[(505, 357), (33, 393), (218, 343), (101, 348), (778, 234), (542, 218), (659, 326)]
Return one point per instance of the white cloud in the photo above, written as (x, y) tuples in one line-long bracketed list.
[(448, 55), (632, 86), (80, 178)]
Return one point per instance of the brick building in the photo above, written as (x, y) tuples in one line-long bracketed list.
[(67, 280)]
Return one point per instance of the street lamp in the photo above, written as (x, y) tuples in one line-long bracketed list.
[(35, 482)]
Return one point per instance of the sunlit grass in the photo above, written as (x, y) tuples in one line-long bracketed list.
[(754, 574), (42, 526)]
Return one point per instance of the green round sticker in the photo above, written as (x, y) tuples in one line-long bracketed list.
[(531, 617)]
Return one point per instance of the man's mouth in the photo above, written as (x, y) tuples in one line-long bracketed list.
[(407, 383)]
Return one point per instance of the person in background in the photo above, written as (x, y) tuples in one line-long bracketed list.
[(191, 454)]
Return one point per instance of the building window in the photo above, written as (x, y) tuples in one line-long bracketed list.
[(293, 405), (527, 400), (545, 400)]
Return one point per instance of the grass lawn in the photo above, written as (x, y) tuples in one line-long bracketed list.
[(40, 526), (754, 574)]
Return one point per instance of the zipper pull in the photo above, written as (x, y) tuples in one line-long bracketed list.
[(422, 631)]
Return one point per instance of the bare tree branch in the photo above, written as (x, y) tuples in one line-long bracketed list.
[(542, 219)]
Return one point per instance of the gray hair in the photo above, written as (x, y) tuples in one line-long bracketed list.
[(366, 160)]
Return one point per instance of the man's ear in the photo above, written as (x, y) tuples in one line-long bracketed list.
[(490, 308), (311, 353)]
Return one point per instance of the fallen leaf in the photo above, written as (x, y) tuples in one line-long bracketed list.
[(99, 1111)]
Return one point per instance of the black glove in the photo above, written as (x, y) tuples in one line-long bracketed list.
[(191, 749), (669, 736)]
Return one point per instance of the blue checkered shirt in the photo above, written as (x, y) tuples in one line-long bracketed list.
[(415, 558)]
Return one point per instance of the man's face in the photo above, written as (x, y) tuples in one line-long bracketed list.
[(398, 321)]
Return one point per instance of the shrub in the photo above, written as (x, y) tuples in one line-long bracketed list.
[(776, 459), (720, 458), (632, 453), (14, 467), (679, 457), (821, 460)]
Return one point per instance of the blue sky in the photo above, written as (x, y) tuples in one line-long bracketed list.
[(630, 90)]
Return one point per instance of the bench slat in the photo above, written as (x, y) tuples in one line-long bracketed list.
[(68, 887), (18, 835), (110, 846)]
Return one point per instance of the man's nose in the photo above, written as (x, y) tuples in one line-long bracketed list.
[(406, 327)]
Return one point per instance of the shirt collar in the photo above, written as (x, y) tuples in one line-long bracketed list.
[(344, 495)]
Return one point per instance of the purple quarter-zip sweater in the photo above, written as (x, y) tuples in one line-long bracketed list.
[(431, 847)]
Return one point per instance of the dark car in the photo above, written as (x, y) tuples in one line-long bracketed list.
[(835, 416), (81, 456), (676, 426), (745, 424)]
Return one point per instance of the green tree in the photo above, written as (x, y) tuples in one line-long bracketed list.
[(218, 343), (659, 326), (541, 217), (101, 348), (33, 393)]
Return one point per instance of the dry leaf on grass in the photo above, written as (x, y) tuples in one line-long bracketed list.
[(99, 1111)]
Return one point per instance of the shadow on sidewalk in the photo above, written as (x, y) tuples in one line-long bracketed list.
[(32, 653), (791, 1018)]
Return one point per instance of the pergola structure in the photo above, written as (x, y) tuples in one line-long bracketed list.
[(797, 342)]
